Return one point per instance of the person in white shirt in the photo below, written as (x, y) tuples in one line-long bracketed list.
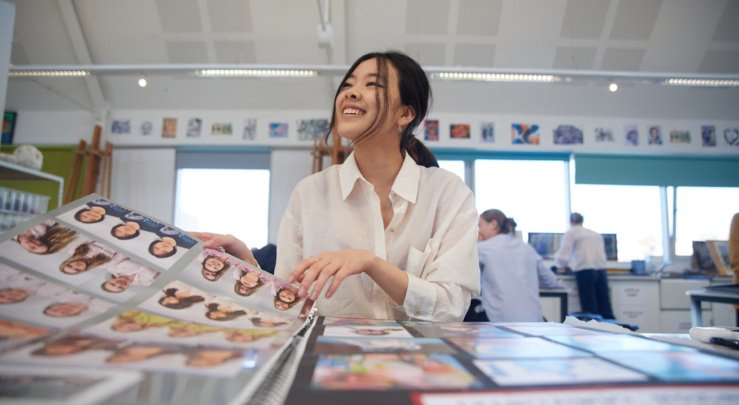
[(582, 250), (387, 234), (512, 271)]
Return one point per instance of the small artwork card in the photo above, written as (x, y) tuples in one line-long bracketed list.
[(525, 134), (385, 371), (567, 135), (377, 331), (565, 371), (355, 345), (431, 130), (277, 130), (523, 347)]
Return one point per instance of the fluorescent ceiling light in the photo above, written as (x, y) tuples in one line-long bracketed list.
[(701, 82), (48, 73), (257, 73), (496, 77)]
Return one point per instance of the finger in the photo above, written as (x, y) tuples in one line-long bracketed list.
[(297, 273), (309, 276), (338, 278), (323, 277)]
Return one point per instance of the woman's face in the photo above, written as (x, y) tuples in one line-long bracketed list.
[(32, 244), (64, 309), (127, 326), (13, 295), (487, 230), (213, 264), (286, 296), (88, 216), (169, 300), (357, 104), (74, 267), (125, 231), (250, 279), (161, 248), (206, 358), (118, 284)]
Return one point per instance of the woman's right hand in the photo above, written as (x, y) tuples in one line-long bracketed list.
[(229, 243)]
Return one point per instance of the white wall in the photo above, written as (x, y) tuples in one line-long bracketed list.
[(144, 180), (7, 19)]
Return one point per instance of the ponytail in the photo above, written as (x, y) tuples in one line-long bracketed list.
[(417, 150)]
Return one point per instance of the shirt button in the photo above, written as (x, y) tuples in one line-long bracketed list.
[(392, 230)]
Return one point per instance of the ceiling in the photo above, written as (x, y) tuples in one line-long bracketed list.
[(626, 36)]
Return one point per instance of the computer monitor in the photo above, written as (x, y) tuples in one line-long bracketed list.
[(547, 244)]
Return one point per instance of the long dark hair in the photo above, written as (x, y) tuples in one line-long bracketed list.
[(507, 225), (415, 91)]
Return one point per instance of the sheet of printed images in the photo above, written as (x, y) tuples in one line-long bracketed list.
[(416, 362), (96, 285)]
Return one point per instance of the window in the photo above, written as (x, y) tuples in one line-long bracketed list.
[(225, 193), (703, 213), (633, 213), (533, 192), (454, 166)]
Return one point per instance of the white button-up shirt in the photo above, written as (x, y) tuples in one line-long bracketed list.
[(581, 249), (432, 236)]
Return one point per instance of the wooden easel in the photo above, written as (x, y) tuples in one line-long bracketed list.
[(337, 151), (95, 158)]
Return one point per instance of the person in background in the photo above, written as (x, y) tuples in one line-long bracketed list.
[(512, 271), (583, 251), (734, 254), (387, 234)]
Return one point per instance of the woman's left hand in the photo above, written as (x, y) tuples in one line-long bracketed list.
[(316, 270)]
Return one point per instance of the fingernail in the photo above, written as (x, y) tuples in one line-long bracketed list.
[(302, 292)]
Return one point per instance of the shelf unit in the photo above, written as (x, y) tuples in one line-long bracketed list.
[(12, 171)]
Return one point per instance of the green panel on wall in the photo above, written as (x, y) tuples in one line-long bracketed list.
[(658, 171), (58, 161)]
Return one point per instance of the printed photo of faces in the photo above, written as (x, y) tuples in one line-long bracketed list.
[(147, 238), (144, 326), (24, 297), (90, 350), (184, 302), (241, 282), (15, 333), (61, 253)]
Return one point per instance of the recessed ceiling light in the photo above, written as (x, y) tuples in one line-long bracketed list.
[(142, 82), (613, 87)]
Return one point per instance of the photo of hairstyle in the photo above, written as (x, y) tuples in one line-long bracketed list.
[(176, 299), (64, 309), (248, 282), (126, 230), (219, 312), (73, 344), (285, 298), (82, 260), (117, 284), (163, 248), (214, 267), (211, 357), (46, 238), (90, 215)]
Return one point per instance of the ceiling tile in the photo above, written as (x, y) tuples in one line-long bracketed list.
[(230, 16), (727, 29), (479, 17), (572, 57), (622, 59), (187, 52), (635, 19), (235, 52), (427, 17), (427, 54), (179, 15), (584, 19), (478, 55), (720, 62)]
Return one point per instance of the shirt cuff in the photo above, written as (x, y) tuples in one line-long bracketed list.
[(420, 299)]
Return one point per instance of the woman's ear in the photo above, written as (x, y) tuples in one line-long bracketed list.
[(407, 115)]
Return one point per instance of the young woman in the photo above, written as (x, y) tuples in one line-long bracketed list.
[(386, 234), (512, 271)]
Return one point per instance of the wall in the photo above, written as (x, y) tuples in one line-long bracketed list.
[(7, 20)]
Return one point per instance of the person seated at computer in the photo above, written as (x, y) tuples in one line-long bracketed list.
[(512, 271)]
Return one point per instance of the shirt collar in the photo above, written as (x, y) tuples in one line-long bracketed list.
[(405, 185)]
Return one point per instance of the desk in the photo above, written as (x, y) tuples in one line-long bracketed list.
[(728, 294), (560, 293)]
